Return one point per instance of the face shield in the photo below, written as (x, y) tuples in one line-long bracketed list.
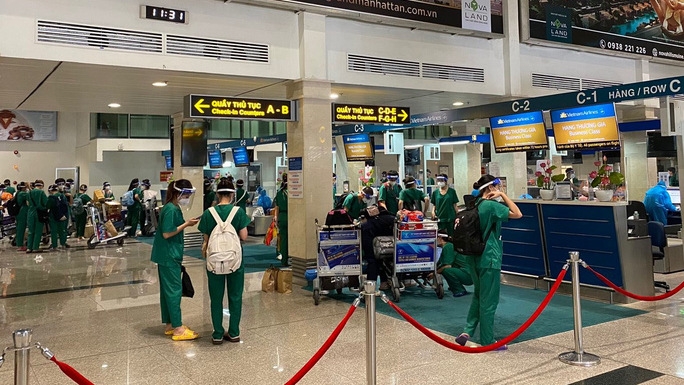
[(227, 191), (186, 197)]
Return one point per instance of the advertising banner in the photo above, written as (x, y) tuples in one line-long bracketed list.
[(585, 127), (339, 258), (482, 15), (519, 132), (415, 256), (18, 125), (652, 28)]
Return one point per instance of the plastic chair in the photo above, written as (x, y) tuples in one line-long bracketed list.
[(639, 207), (658, 243)]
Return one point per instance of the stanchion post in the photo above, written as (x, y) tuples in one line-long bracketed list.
[(22, 351), (369, 293), (579, 356)]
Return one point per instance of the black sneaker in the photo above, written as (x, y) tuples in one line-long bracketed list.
[(231, 339), (66, 246), (217, 341)]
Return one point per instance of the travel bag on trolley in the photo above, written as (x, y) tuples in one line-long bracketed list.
[(338, 264), (415, 257)]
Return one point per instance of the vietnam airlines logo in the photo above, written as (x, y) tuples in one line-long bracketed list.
[(500, 121), (563, 115)]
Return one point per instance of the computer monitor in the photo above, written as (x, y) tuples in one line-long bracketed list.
[(674, 196)]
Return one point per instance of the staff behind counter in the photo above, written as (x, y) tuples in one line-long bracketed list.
[(659, 203)]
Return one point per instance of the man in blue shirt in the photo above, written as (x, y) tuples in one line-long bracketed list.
[(658, 203)]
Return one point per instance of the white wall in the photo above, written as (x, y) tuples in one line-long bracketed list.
[(119, 167)]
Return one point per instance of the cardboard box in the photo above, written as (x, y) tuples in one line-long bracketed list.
[(111, 230), (89, 231), (112, 210)]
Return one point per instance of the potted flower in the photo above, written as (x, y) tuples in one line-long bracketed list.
[(545, 180), (606, 180)]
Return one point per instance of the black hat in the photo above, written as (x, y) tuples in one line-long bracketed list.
[(240, 183)]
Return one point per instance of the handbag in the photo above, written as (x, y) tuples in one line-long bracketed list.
[(188, 290), (284, 281), (268, 282), (271, 234)]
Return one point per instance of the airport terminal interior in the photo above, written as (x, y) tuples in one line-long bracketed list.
[(575, 109)]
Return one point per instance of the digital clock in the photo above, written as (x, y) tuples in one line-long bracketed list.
[(163, 14)]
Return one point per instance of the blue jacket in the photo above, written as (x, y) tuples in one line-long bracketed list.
[(658, 203), (264, 201)]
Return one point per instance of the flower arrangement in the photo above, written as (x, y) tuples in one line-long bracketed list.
[(545, 180), (605, 178), (366, 176)]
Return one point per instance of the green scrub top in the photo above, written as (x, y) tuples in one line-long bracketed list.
[(674, 181), (444, 204), (241, 197), (207, 222), (430, 181), (450, 257), (390, 195), (354, 206), (168, 252), (209, 198), (492, 214), (413, 195), (280, 201), (10, 189), (137, 205), (22, 199), (37, 199)]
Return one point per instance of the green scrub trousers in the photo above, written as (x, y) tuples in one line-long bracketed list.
[(81, 223), (457, 277), (35, 230), (58, 232), (487, 283), (234, 283), (170, 293), (282, 238), (133, 218), (22, 220)]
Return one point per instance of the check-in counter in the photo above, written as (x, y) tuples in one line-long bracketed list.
[(539, 243), (674, 257)]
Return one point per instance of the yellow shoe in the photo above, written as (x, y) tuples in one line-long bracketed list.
[(188, 335), (168, 332)]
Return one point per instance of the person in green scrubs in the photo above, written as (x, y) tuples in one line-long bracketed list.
[(241, 196), (672, 172), (280, 218), (37, 200), (209, 194), (453, 266), (233, 282), (81, 217), (167, 253), (486, 269), (444, 204), (355, 203), (410, 198), (57, 225), (133, 216), (108, 193), (388, 196), (429, 181), (22, 201), (8, 187)]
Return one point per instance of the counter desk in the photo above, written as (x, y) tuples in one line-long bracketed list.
[(537, 245)]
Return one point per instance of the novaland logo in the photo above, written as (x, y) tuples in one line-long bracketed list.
[(475, 6)]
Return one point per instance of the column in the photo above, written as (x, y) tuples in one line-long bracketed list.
[(513, 166), (640, 175), (467, 166), (310, 137)]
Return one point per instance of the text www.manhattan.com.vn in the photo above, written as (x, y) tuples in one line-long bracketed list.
[(389, 6)]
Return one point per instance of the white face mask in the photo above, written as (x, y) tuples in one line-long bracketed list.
[(184, 201), (391, 182), (441, 184)]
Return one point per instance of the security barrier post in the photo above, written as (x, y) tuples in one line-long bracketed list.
[(369, 293), (579, 356), (22, 350)]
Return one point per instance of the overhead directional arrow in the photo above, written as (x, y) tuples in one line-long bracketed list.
[(199, 106), (403, 115)]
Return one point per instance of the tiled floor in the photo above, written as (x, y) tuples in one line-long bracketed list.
[(98, 311)]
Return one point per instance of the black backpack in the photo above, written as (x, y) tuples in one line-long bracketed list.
[(338, 217), (340, 203), (61, 210), (467, 236), (13, 207)]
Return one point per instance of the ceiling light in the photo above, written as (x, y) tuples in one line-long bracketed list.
[(114, 105), (160, 84), (458, 104), (334, 96)]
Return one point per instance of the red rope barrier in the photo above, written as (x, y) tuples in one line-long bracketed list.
[(323, 349), (71, 372), (496, 345), (632, 295)]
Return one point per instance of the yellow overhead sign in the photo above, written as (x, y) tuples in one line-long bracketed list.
[(356, 113), (204, 106)]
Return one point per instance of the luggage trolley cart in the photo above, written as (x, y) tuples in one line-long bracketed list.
[(8, 228), (338, 264), (415, 246), (100, 235)]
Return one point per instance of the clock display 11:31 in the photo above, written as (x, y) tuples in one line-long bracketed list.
[(165, 14)]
